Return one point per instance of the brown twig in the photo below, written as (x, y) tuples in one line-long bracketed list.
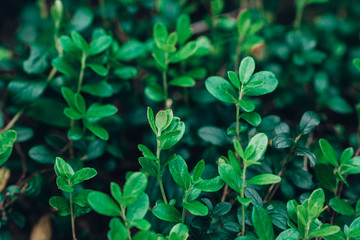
[(23, 163), (274, 187), (12, 121)]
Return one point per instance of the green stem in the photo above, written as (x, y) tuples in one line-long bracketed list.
[(159, 178), (123, 216), (237, 54), (81, 76), (241, 93), (185, 201), (165, 85), (72, 217), (299, 14), (242, 194)]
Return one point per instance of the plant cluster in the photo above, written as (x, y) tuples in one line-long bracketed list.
[(178, 119)]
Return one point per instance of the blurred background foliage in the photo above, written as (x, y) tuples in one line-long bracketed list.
[(309, 45)]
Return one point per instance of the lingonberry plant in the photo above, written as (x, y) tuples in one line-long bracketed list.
[(175, 120)]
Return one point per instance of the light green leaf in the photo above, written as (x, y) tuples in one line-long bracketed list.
[(341, 206), (252, 118), (328, 152), (196, 208), (103, 204), (221, 89), (268, 83), (180, 173), (82, 175), (167, 212), (230, 176), (183, 81), (264, 179), (246, 69)]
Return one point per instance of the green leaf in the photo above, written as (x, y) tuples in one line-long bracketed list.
[(130, 51), (167, 212), (246, 69), (98, 89), (180, 173), (308, 122), (210, 185), (83, 174), (126, 72), (355, 228), (289, 234), (221, 89), (346, 155), (42, 154), (151, 119), (234, 79), (155, 92), (325, 175), (149, 166), (184, 53), (268, 83), (103, 204), (246, 105), (99, 69), (341, 206), (81, 198), (316, 203), (262, 223), (80, 103), (60, 204), (101, 111), (183, 28), (213, 135), (67, 44), (79, 41), (37, 61), (161, 120), (172, 134), (134, 186), (282, 141), (198, 170), (196, 208), (69, 96), (54, 114), (63, 184), (160, 34), (328, 152), (256, 147), (243, 22), (62, 168), (324, 230), (22, 91), (117, 230), (63, 66), (99, 45), (356, 63), (306, 153), (147, 152), (252, 118), (7, 140), (183, 81), (98, 131), (139, 209), (264, 179), (179, 232), (230, 176)]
